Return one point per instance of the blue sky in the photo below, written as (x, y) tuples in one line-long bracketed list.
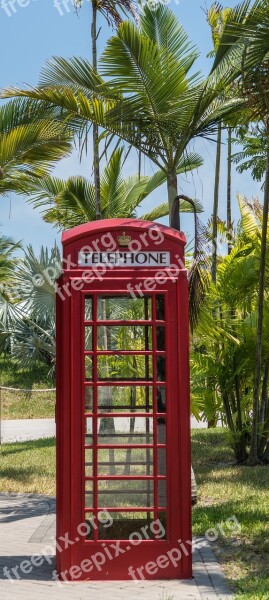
[(31, 31)]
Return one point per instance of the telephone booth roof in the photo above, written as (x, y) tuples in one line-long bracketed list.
[(105, 225)]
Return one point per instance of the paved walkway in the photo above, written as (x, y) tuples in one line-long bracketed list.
[(21, 430), (27, 528)]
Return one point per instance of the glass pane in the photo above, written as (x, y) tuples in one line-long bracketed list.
[(121, 308), (89, 494), (125, 399), (162, 493), (88, 399), (88, 309), (161, 368), (88, 338), (161, 432), (126, 494), (88, 463), (160, 527), (160, 307), (125, 367), (88, 367), (161, 399), (128, 461), (124, 337), (125, 430), (90, 525), (161, 461), (129, 525), (88, 432), (160, 337)]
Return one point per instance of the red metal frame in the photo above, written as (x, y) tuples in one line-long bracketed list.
[(71, 412)]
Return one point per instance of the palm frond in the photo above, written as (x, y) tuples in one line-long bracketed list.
[(163, 28), (162, 210), (248, 221), (111, 9), (35, 278), (29, 145), (7, 260)]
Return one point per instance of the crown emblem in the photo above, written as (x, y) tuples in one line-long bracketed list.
[(124, 240)]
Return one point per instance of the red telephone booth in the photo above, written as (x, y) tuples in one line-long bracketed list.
[(123, 416)]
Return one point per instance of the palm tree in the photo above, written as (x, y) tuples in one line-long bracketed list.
[(149, 98), (216, 17), (216, 205), (229, 187), (29, 144), (110, 10), (7, 260), (67, 203), (252, 155), (27, 309), (8, 263)]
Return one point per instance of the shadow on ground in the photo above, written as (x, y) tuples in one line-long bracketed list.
[(17, 509), (43, 572)]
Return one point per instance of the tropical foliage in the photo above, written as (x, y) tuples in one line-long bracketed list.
[(27, 309), (29, 145), (7, 260), (252, 154), (225, 384), (66, 204)]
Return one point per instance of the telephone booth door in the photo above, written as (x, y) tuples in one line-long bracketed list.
[(125, 435)]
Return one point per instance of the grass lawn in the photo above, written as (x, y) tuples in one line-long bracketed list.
[(28, 467), (16, 405), (225, 490)]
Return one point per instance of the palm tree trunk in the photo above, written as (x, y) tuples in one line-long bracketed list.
[(96, 158), (174, 218), (213, 421), (139, 164), (215, 207), (264, 411), (253, 455), (229, 179)]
